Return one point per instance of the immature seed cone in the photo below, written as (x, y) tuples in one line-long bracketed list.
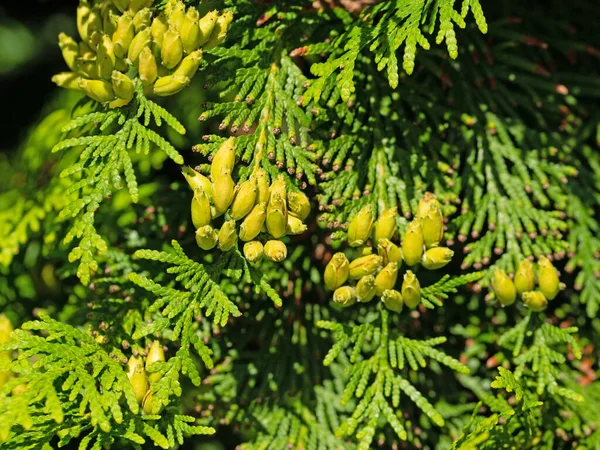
[(138, 377), (122, 86), (147, 67), (276, 215), (121, 5), (360, 227), (345, 296), (503, 287), (436, 258), (227, 236), (139, 42), (298, 205), (171, 50), (224, 159), (147, 407), (6, 329), (189, 30), (535, 300), (389, 251), (365, 289), (262, 184), (206, 26), (365, 265), (155, 354), (425, 203), (220, 30), (524, 278), (275, 250), (67, 80), (159, 28), (136, 5), (189, 65), (336, 271), (548, 278), (105, 57), (200, 209), (176, 16), (432, 225), (295, 225), (385, 226), (223, 190), (197, 181), (244, 199), (169, 85), (142, 19), (386, 278), (123, 35), (83, 14), (98, 90), (69, 49), (253, 251), (206, 237), (392, 299), (412, 244), (411, 290), (253, 222)]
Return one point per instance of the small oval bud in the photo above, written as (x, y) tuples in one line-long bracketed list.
[(159, 28), (105, 58), (197, 181), (224, 159), (365, 265), (138, 377), (189, 30), (227, 235), (389, 251), (253, 222), (223, 190), (147, 407), (244, 199), (295, 225), (123, 35), (189, 65), (535, 300), (425, 203), (360, 227), (298, 205), (336, 271), (412, 244), (503, 287), (206, 25), (548, 278), (171, 50), (432, 225), (142, 19), (170, 85), (386, 278), (220, 30), (411, 290), (345, 296), (6, 329), (122, 85), (275, 250), (276, 215), (385, 226), (155, 354), (69, 49), (253, 251), (279, 187), (176, 15), (262, 183), (436, 258), (365, 289), (524, 278), (206, 237), (98, 90), (147, 67), (83, 14), (392, 299), (67, 80), (139, 43), (200, 209)]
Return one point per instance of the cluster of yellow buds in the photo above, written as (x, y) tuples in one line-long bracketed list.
[(376, 274), (122, 39), (507, 290), (140, 380), (260, 207), (6, 329)]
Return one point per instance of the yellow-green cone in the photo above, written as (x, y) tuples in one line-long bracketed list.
[(142, 19), (295, 225), (524, 278), (220, 30), (122, 85), (121, 5), (385, 226), (275, 250), (432, 225), (83, 14), (98, 90), (345, 296), (155, 354), (411, 290), (197, 181), (189, 65), (224, 159), (503, 287), (206, 25), (136, 5), (253, 222), (189, 30), (227, 236), (67, 80), (206, 237), (412, 244), (69, 49), (425, 203), (139, 42), (365, 289), (360, 227), (6, 329), (276, 215), (123, 35), (548, 278), (223, 190), (244, 200), (386, 278), (392, 299), (298, 204), (336, 271), (436, 258), (138, 377), (365, 265), (169, 85), (171, 50), (159, 28), (105, 57), (176, 16), (535, 300), (262, 184), (389, 251), (147, 67), (253, 251), (200, 209)]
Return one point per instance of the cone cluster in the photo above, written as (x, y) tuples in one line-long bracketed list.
[(140, 381), (255, 212), (125, 39), (507, 290), (375, 271)]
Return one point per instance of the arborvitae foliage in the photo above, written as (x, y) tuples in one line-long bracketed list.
[(304, 225)]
